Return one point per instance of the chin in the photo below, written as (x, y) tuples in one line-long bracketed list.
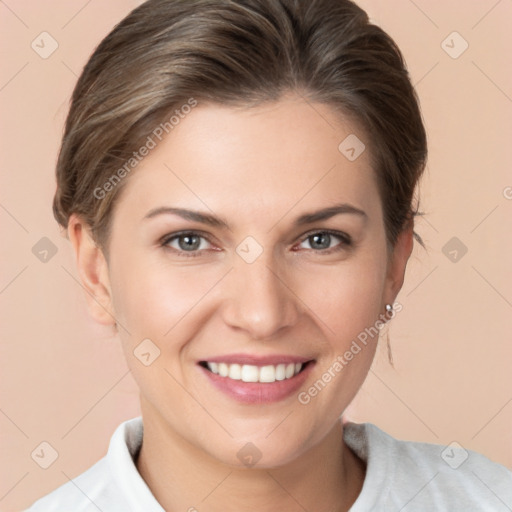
[(259, 452)]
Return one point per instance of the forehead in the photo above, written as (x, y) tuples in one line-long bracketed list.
[(255, 160)]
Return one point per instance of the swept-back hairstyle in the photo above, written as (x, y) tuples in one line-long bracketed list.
[(168, 54)]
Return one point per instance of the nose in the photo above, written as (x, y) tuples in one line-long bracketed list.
[(259, 299)]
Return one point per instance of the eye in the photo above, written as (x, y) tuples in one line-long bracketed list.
[(192, 243), (186, 242), (325, 240)]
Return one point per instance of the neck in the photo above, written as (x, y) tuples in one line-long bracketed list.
[(329, 477)]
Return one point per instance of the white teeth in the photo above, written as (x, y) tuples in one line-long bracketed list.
[(268, 373), (235, 372), (252, 373), (281, 371), (223, 369)]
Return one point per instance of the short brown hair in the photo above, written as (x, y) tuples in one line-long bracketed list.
[(237, 52)]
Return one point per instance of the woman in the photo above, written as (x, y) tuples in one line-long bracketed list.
[(237, 181)]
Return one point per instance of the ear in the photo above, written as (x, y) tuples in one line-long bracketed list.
[(397, 263), (92, 270)]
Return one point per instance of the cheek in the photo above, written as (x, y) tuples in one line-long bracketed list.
[(152, 300), (166, 305), (346, 298)]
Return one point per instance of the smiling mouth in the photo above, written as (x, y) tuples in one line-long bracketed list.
[(252, 373)]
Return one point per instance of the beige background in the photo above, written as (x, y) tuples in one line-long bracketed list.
[(64, 379)]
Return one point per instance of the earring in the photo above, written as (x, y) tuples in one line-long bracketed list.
[(389, 309)]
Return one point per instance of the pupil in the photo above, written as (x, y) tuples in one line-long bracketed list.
[(321, 241), (189, 242)]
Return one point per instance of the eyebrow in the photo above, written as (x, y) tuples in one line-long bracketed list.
[(212, 220)]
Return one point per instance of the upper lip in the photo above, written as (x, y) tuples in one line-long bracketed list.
[(257, 360)]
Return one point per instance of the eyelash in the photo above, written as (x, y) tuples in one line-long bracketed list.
[(345, 242)]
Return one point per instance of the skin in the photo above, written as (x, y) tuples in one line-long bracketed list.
[(259, 169)]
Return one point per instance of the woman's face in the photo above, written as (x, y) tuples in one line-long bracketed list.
[(281, 261)]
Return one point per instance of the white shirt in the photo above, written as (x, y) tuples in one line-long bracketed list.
[(400, 476)]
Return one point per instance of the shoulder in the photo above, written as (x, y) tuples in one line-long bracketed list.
[(417, 474), (110, 484), (84, 493)]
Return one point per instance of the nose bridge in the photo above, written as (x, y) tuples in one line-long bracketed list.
[(258, 298)]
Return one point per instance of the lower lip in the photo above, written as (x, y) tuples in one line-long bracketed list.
[(258, 392)]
